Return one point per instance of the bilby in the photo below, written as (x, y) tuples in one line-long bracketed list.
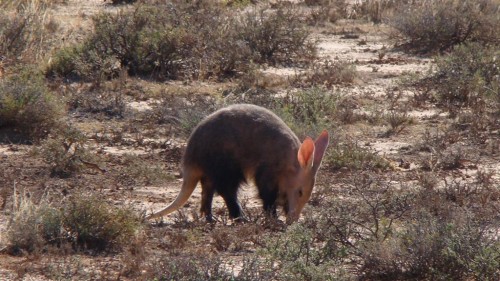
[(246, 142)]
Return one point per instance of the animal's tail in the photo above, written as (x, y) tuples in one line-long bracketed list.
[(189, 184)]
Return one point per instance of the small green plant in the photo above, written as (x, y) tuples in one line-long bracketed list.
[(398, 121)]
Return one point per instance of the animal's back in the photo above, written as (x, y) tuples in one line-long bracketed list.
[(241, 138)]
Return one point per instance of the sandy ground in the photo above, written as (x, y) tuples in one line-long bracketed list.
[(364, 51)]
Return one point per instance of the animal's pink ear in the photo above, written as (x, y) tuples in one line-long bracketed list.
[(320, 147), (306, 153)]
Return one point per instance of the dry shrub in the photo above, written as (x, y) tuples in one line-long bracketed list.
[(397, 232), (121, 2), (466, 83), (184, 268), (327, 74), (25, 29), (326, 11), (94, 224), (183, 111), (430, 26), (376, 11), (28, 107), (431, 248), (87, 222), (138, 170), (67, 152), (99, 102), (468, 77), (32, 225), (349, 154), (199, 40), (276, 37)]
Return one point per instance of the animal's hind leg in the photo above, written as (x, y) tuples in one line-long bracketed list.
[(207, 195), (229, 194)]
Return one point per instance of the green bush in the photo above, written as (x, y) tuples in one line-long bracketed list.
[(28, 107), (309, 111), (438, 25)]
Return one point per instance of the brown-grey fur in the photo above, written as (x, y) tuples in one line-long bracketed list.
[(238, 142), (243, 142)]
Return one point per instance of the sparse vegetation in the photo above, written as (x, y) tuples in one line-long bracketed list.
[(139, 170), (348, 153), (431, 26), (66, 152), (328, 74), (408, 188), (89, 223)]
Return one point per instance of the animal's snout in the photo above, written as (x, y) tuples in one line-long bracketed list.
[(292, 216)]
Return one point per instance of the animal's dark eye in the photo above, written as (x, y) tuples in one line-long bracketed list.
[(300, 192)]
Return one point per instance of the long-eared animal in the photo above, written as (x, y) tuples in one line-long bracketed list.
[(243, 142)]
